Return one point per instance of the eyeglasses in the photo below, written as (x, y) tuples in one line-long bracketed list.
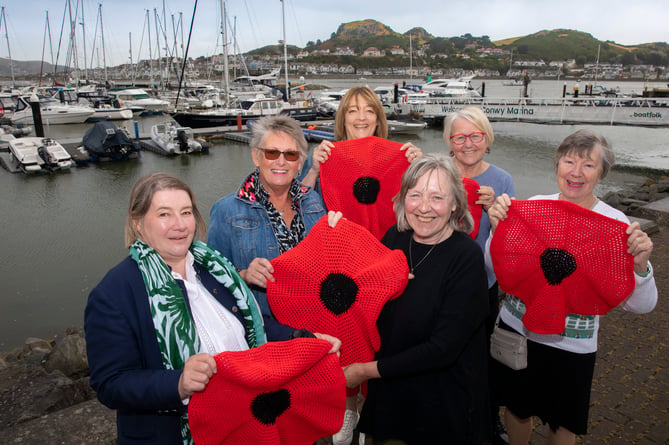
[(272, 154), (476, 137)]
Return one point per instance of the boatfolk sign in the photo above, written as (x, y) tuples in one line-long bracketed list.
[(560, 111)]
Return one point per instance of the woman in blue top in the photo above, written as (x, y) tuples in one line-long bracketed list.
[(272, 211), (469, 135)]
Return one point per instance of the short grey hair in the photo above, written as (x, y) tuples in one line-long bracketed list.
[(582, 143), (475, 116), (275, 124), (460, 220)]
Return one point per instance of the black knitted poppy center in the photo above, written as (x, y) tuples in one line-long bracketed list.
[(267, 406), (557, 264), (366, 189), (338, 293)]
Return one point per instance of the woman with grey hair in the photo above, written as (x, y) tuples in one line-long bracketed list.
[(271, 211), (557, 382), (428, 381)]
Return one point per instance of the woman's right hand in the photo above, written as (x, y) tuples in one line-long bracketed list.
[(321, 154), (498, 210), (259, 271), (198, 369)]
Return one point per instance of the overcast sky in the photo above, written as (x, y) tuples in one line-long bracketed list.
[(258, 22)]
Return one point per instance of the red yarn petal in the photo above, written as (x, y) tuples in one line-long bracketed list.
[(593, 244), (378, 273), (301, 368), (372, 162), (476, 210)]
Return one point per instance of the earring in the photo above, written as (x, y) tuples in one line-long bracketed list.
[(452, 154), (487, 151)]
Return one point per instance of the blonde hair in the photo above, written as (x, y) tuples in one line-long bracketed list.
[(369, 96), (460, 220), (142, 196)]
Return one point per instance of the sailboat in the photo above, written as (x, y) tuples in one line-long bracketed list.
[(239, 111)]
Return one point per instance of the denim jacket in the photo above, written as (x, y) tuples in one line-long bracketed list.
[(241, 231)]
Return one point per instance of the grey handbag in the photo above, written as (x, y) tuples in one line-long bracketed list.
[(509, 348)]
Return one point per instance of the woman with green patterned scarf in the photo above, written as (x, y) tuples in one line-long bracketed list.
[(156, 319)]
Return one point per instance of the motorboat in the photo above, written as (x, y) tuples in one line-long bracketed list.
[(36, 154), (106, 107), (398, 124), (174, 139), (105, 141), (52, 111), (139, 101), (248, 110), (453, 88)]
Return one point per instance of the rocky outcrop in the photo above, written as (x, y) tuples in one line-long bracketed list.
[(635, 202), (45, 396)]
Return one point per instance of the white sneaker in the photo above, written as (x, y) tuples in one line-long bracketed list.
[(345, 435)]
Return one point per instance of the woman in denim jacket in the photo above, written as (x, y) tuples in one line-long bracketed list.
[(272, 211)]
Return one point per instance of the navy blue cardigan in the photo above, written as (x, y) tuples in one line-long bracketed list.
[(126, 368)]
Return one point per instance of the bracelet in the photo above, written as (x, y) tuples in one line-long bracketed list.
[(646, 273)]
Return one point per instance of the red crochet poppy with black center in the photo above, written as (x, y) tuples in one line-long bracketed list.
[(290, 392), (560, 258), (476, 210), (336, 282), (360, 179)]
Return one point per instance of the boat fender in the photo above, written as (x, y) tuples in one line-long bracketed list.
[(306, 103), (2, 111)]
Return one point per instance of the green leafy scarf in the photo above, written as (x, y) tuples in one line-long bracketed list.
[(175, 329)]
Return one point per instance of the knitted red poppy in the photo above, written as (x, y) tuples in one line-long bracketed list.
[(335, 281), (290, 392), (360, 179), (560, 258), (476, 210)]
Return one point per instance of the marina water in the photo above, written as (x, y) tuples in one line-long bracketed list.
[(62, 232)]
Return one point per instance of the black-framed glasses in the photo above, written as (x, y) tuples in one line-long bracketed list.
[(272, 154), (476, 137)]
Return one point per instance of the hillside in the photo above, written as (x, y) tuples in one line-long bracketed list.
[(547, 45)]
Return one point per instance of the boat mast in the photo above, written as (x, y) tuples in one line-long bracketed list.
[(9, 51), (130, 56), (226, 78), (47, 31), (83, 38), (285, 48), (160, 62), (102, 35), (410, 59), (148, 33), (597, 63)]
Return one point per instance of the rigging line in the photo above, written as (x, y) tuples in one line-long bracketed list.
[(183, 66), (60, 41), (297, 23)]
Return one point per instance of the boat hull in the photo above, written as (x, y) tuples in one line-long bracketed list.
[(596, 111), (226, 119)]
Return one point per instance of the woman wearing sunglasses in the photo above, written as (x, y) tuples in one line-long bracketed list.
[(272, 211)]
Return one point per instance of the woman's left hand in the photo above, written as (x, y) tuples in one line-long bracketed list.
[(486, 197), (640, 246), (334, 341), (356, 373), (412, 152), (334, 217)]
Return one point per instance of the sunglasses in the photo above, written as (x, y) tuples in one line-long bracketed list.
[(272, 154)]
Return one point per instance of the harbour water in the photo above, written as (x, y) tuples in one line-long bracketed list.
[(61, 232)]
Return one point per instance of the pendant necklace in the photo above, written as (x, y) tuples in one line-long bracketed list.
[(411, 266)]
